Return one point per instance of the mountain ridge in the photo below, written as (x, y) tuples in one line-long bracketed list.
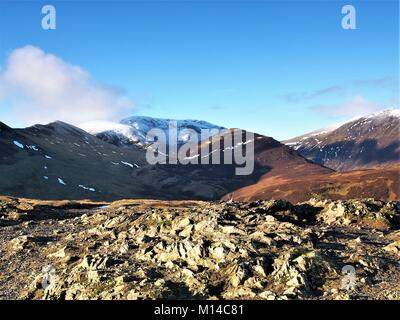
[(134, 129), (61, 161), (368, 141)]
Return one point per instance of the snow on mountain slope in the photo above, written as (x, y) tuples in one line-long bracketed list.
[(364, 142), (61, 161), (133, 130), (113, 132), (295, 143)]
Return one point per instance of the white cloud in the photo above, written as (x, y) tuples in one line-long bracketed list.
[(40, 87), (357, 106)]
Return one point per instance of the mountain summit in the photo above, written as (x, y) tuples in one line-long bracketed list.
[(133, 130), (368, 141), (61, 161)]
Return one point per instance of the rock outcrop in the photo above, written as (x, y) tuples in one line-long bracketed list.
[(143, 249)]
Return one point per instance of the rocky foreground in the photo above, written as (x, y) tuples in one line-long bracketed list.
[(199, 250)]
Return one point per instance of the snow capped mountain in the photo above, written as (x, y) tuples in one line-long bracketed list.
[(135, 130), (61, 161), (295, 143), (360, 143), (113, 132), (387, 113)]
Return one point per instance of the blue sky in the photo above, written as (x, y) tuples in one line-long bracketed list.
[(277, 68)]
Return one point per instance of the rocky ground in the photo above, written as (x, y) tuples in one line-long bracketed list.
[(199, 250)]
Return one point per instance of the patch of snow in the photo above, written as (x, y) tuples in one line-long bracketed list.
[(87, 188), (391, 112), (61, 181), (243, 143), (135, 129), (97, 127), (191, 157), (48, 157), (208, 154), (127, 164), (18, 144)]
